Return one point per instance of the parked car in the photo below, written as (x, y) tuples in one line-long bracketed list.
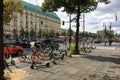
[(97, 41), (22, 43), (12, 49), (26, 44)]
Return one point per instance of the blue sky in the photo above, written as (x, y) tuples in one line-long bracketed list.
[(95, 19)]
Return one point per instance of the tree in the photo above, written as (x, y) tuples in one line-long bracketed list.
[(22, 32), (64, 33), (2, 67), (57, 34), (40, 33), (11, 6), (93, 35), (45, 33), (73, 7), (70, 32), (6, 14), (32, 32), (52, 33), (110, 35)]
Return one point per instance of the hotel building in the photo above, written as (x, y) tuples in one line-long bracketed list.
[(32, 17)]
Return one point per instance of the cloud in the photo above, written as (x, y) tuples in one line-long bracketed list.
[(116, 24), (35, 2), (95, 19), (93, 23), (109, 8), (105, 13)]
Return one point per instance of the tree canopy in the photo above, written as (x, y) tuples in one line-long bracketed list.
[(11, 6), (70, 6), (73, 7)]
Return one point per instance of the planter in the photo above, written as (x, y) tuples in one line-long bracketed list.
[(75, 55)]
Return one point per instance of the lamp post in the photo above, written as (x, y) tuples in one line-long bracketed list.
[(83, 29), (110, 35), (70, 30), (104, 25)]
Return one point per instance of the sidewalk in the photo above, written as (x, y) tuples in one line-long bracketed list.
[(98, 65)]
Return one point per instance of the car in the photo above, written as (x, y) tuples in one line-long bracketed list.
[(97, 41), (22, 43), (58, 41), (12, 49), (26, 44)]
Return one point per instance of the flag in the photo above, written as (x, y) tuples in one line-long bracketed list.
[(115, 17)]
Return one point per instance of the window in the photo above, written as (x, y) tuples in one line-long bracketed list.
[(21, 23), (42, 22), (15, 23), (26, 24)]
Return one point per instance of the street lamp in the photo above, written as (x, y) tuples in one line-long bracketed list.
[(104, 25), (110, 35), (83, 29), (69, 30)]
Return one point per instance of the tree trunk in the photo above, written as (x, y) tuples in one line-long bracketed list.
[(110, 42), (2, 67), (76, 51)]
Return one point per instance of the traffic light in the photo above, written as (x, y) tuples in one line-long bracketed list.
[(63, 22)]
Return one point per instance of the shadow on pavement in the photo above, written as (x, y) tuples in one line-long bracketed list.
[(103, 59), (116, 56), (101, 77)]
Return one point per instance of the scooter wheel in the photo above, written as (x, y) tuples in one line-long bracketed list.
[(34, 58), (62, 57), (13, 62), (54, 62), (48, 64), (32, 66)]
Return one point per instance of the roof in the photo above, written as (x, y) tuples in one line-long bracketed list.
[(37, 9)]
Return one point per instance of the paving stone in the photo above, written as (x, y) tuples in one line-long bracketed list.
[(79, 68)]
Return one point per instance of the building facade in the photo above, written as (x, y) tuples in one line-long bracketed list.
[(32, 17)]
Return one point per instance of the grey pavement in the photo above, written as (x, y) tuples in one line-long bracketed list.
[(106, 47), (107, 44), (100, 64)]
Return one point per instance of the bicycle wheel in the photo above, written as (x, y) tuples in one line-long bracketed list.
[(22, 57)]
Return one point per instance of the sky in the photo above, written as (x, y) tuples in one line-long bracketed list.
[(104, 14)]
